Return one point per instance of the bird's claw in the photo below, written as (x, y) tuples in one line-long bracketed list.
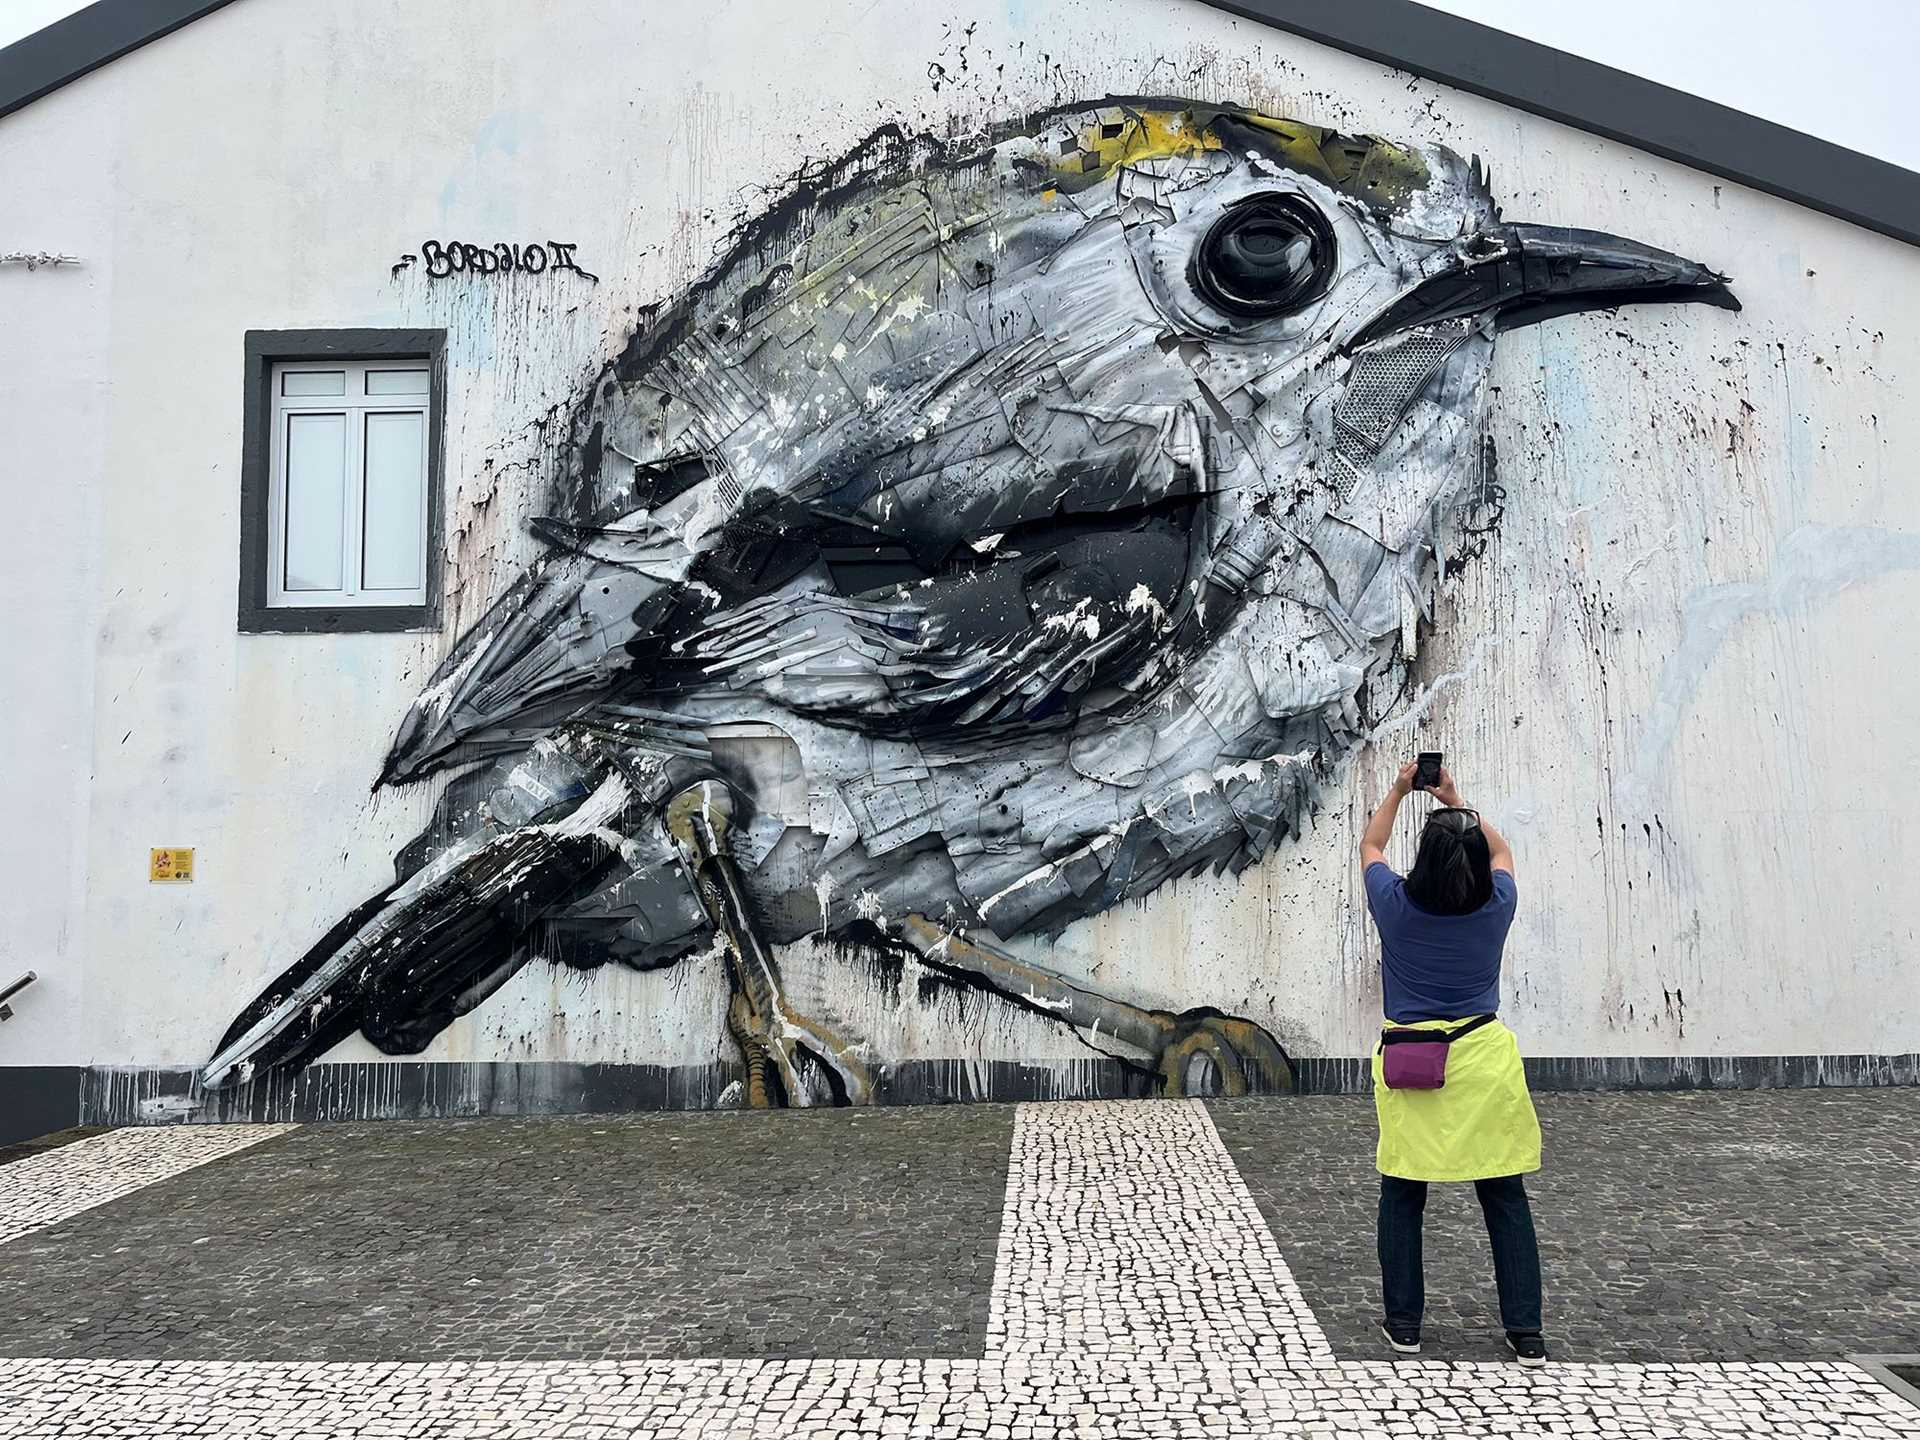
[(792, 1059), (1207, 1052), (1202, 1051), (789, 1058)]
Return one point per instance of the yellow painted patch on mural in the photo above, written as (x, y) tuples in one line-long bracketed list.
[(1361, 165), (1356, 163), (1142, 135), (172, 864)]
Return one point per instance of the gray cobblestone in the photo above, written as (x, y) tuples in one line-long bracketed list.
[(1761, 1225), (828, 1233)]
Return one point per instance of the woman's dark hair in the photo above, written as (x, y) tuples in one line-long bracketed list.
[(1453, 873)]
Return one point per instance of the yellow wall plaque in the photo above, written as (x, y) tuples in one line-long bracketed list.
[(172, 864)]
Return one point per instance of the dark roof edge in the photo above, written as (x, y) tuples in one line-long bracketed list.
[(85, 40), (1670, 123)]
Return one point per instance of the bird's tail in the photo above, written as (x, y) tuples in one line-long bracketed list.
[(402, 966), (296, 1043)]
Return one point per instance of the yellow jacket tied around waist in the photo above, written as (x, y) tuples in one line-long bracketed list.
[(1477, 1126)]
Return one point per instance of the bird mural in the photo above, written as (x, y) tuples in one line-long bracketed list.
[(994, 534)]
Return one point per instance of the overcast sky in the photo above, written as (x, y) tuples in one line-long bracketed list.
[(1839, 69), (23, 17)]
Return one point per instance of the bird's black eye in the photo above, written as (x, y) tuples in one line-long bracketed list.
[(1267, 255)]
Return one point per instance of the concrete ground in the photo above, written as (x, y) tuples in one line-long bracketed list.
[(1119, 1268)]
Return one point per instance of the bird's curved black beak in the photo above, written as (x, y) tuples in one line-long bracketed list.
[(1522, 274)]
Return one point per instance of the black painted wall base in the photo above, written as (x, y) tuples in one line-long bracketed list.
[(38, 1099), (1658, 1072), (410, 1089)]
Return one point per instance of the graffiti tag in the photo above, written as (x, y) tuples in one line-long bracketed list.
[(463, 257)]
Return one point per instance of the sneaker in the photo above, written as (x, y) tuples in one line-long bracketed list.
[(1530, 1350), (1404, 1339)]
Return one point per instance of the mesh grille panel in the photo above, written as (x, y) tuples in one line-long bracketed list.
[(1385, 379), (1352, 456)]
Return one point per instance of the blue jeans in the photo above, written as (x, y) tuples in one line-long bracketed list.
[(1516, 1252)]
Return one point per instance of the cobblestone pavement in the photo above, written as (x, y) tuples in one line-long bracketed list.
[(942, 1400), (41, 1144), (45, 1189), (1129, 1288), (1127, 1233), (1755, 1225), (843, 1233)]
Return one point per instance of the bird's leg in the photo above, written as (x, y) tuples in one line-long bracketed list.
[(1192, 1052), (775, 1039)]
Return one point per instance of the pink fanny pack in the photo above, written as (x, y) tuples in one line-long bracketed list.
[(1417, 1059)]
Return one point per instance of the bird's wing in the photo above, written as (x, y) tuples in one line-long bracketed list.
[(871, 598), (933, 427)]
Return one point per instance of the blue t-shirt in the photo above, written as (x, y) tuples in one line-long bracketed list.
[(1438, 967)]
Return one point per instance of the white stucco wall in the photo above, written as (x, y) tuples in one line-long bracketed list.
[(1681, 676)]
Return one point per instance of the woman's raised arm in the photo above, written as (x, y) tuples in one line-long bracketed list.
[(1499, 853), (1373, 844)]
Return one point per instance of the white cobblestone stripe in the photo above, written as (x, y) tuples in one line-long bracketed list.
[(1128, 1232), (940, 1400), (1765, 1401), (43, 1190)]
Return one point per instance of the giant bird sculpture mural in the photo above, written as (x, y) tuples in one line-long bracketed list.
[(993, 535)]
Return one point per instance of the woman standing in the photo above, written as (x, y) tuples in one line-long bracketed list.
[(1452, 1100)]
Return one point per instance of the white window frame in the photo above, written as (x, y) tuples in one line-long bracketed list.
[(355, 405)]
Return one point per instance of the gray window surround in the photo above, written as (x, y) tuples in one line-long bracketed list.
[(265, 349)]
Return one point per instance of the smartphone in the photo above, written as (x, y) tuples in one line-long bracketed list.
[(1428, 775)]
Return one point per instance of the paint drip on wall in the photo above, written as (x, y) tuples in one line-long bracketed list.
[(994, 534)]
